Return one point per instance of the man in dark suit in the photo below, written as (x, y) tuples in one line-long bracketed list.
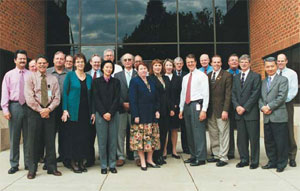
[(178, 61), (124, 112), (220, 84), (274, 91), (95, 62), (245, 95)]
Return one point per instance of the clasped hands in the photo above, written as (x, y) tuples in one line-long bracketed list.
[(266, 110)]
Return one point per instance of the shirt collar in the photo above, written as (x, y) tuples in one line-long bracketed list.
[(247, 72), (128, 71), (40, 74)]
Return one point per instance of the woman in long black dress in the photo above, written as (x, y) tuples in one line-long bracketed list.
[(162, 84), (77, 114), (175, 90)]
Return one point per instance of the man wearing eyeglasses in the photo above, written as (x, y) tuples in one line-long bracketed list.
[(137, 59), (124, 112)]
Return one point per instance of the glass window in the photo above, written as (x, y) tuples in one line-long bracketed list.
[(196, 21), (226, 50), (231, 20), (63, 22), (88, 51), (142, 21), (98, 21)]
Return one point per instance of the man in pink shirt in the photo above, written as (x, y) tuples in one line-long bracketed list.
[(14, 109)]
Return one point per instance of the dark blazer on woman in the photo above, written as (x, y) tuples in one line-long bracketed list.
[(164, 94), (175, 90), (143, 103), (106, 95), (71, 94)]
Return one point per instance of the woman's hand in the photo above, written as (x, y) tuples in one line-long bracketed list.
[(172, 113), (65, 116), (137, 120), (93, 118), (107, 116), (157, 115)]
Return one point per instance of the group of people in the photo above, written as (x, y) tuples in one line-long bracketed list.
[(147, 105)]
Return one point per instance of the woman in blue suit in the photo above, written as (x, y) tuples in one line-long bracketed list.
[(77, 113), (144, 107)]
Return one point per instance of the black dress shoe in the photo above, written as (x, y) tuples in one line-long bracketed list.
[(113, 170), (83, 169), (242, 164), (279, 169), (75, 169), (13, 170), (230, 157), (31, 175), (268, 166), (152, 166), (176, 156), (293, 163), (221, 163), (54, 172), (253, 166), (104, 171), (190, 160), (144, 168), (213, 160), (197, 163)]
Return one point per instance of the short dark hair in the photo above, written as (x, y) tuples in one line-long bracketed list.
[(270, 59), (42, 56), (191, 56), (79, 55), (216, 56), (20, 51), (106, 62), (234, 54)]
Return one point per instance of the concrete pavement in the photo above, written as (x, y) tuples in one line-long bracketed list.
[(174, 176)]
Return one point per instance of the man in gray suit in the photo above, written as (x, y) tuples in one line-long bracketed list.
[(124, 112), (274, 92), (245, 95)]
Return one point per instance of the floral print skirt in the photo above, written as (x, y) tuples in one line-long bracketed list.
[(144, 137)]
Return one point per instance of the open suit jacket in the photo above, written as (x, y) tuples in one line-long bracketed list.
[(246, 96), (219, 94), (124, 88), (275, 99)]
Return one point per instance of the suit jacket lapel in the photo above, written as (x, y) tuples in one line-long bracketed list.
[(218, 78), (238, 76), (274, 81), (123, 78), (248, 79)]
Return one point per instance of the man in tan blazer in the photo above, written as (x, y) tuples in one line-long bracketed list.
[(220, 84)]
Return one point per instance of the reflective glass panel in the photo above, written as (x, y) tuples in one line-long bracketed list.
[(196, 21), (147, 21), (62, 21), (98, 21), (231, 20)]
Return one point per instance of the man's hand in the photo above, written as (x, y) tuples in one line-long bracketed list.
[(93, 118), (224, 115), (202, 116), (45, 113), (107, 116), (65, 116), (172, 113), (126, 106), (180, 115), (157, 115), (266, 110), (240, 110), (7, 116)]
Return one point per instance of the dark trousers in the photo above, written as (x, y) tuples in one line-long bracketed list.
[(231, 133), (248, 131), (291, 141), (184, 144), (195, 131), (163, 129), (38, 129), (17, 126), (91, 155), (60, 128), (276, 143)]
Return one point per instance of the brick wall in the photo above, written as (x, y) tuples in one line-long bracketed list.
[(22, 26), (274, 25)]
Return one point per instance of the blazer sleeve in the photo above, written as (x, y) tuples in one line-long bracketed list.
[(282, 94), (228, 89), (252, 100), (234, 94), (97, 98), (66, 90), (116, 102), (133, 97)]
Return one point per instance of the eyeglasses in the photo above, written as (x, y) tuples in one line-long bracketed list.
[(129, 59)]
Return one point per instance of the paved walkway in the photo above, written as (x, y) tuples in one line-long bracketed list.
[(174, 176)]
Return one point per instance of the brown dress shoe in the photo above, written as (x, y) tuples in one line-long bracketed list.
[(55, 173), (31, 175), (120, 162), (138, 162)]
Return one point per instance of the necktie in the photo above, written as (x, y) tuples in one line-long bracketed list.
[(243, 80), (128, 78), (268, 83), (205, 70), (179, 73), (213, 80), (280, 73), (233, 72), (44, 101), (188, 91), (95, 75), (21, 89)]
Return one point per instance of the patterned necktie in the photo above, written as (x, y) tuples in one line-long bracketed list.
[(188, 91), (44, 101), (268, 83), (21, 88), (213, 80), (243, 80), (95, 75)]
